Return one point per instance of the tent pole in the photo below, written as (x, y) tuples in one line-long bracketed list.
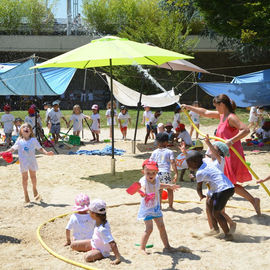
[(137, 120), (112, 122)]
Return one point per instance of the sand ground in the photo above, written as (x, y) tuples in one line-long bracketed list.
[(63, 176)]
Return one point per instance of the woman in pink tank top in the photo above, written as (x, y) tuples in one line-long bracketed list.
[(232, 130)]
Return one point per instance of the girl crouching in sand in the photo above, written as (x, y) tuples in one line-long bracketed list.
[(102, 242), (150, 209), (26, 145)]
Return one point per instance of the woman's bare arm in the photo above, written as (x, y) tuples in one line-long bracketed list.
[(201, 111)]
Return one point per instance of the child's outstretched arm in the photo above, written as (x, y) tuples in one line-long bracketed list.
[(263, 180), (68, 238), (67, 123), (42, 150), (199, 190), (182, 147), (212, 148), (116, 253), (10, 150), (175, 170)]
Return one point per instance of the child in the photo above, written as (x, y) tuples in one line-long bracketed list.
[(47, 107), (217, 153), (102, 241), (123, 120), (7, 120), (54, 117), (195, 118), (165, 160), (81, 224), (168, 130), (152, 124), (176, 118), (147, 114), (26, 146), (160, 128), (151, 210), (108, 116), (77, 118), (95, 126), (220, 187), (16, 129), (31, 119), (253, 118), (183, 135)]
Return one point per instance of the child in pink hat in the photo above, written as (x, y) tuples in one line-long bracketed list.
[(95, 126), (81, 224)]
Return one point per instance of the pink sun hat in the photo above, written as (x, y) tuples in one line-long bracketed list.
[(98, 206), (82, 202)]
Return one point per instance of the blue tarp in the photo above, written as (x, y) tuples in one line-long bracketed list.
[(247, 90), (107, 150), (18, 79)]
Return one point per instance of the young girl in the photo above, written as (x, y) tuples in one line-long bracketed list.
[(176, 118), (77, 118), (102, 241), (108, 116), (81, 224), (150, 210), (195, 118), (253, 118), (123, 120), (26, 146), (165, 160), (95, 127), (152, 124)]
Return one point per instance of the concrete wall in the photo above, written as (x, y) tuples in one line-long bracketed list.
[(65, 43)]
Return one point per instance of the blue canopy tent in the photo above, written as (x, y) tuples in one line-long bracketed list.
[(18, 79), (247, 90)]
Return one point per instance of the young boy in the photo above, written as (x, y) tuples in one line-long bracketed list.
[(47, 107), (152, 126), (7, 121), (220, 187), (182, 134), (54, 117), (151, 210), (165, 160)]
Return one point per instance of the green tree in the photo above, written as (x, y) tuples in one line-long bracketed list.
[(244, 25), (39, 18), (10, 15)]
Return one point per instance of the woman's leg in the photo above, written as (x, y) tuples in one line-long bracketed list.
[(93, 255), (24, 184), (245, 194), (34, 182), (146, 235), (81, 245)]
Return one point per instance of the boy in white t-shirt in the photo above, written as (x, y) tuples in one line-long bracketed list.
[(47, 107), (7, 121), (182, 134), (165, 160), (123, 120), (54, 117), (220, 187), (146, 119), (152, 125)]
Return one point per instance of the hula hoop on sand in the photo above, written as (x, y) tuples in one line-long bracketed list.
[(233, 149), (84, 266)]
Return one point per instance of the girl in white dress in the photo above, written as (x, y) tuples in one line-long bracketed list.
[(26, 145), (95, 127)]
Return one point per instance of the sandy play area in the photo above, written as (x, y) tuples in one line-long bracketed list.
[(63, 176)]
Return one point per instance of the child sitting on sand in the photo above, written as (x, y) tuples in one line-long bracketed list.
[(81, 224), (26, 145), (150, 210), (221, 188), (165, 160), (182, 134)]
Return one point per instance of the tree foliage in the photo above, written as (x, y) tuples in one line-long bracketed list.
[(33, 14), (244, 25)]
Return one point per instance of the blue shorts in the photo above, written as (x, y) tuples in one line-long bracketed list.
[(55, 128), (151, 217)]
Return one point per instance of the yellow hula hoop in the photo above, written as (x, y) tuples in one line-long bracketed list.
[(84, 266), (233, 149)]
